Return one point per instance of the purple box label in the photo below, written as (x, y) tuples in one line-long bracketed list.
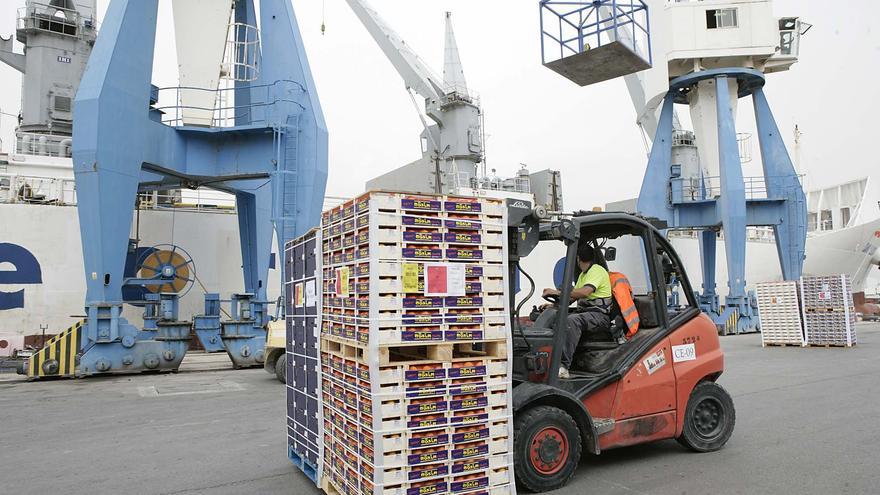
[(426, 422), (463, 206), (427, 457), (464, 335), (420, 392), (428, 472), (419, 375), (463, 225), (464, 254), (467, 372), (464, 302), (422, 221), (471, 287), (427, 408), (431, 237), (463, 319), (476, 388), (464, 467), (471, 436), (470, 452), (423, 253), (420, 204), (432, 489), (429, 441), (423, 302), (422, 319), (470, 419), (465, 486), (462, 238), (458, 405), (429, 336)]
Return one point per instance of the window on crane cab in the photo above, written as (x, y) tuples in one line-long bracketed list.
[(722, 18), (679, 296)]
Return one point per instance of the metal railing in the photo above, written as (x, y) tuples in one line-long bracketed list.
[(267, 101), (34, 144), (691, 189), (576, 27), (57, 20), (518, 184), (62, 192), (241, 60), (37, 190), (753, 234)]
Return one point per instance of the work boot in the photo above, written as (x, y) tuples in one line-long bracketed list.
[(563, 372)]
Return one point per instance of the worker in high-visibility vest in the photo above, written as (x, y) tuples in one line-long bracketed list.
[(592, 291)]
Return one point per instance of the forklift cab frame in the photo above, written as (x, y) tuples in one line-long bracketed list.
[(660, 384), (544, 367)]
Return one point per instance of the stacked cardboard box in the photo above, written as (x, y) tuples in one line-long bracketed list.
[(302, 260), (780, 314), (414, 347), (828, 311)]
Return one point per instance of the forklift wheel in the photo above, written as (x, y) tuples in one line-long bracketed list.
[(547, 449), (281, 368), (709, 418)]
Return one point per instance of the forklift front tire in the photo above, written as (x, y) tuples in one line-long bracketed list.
[(547, 449), (709, 418), (281, 368)]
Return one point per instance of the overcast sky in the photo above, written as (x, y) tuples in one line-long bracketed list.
[(534, 116)]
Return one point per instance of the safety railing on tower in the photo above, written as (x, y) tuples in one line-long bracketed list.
[(590, 41), (53, 19), (259, 105), (693, 189)]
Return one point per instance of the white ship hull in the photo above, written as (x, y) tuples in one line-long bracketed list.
[(51, 234)]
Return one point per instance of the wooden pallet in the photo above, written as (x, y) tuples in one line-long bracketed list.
[(782, 344)]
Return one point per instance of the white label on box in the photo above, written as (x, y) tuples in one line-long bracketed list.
[(686, 352), (311, 294), (655, 361), (444, 279)]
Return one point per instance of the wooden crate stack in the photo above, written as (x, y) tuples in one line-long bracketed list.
[(416, 384), (780, 314), (828, 311)]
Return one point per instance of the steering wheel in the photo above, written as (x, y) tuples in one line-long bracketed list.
[(551, 298)]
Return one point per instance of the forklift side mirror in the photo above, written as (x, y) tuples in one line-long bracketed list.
[(610, 253)]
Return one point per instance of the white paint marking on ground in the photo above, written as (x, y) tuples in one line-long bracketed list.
[(197, 389)]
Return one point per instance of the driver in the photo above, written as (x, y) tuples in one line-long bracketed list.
[(592, 291)]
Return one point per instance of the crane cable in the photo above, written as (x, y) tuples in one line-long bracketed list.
[(323, 17)]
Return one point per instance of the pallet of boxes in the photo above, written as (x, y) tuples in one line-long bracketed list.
[(829, 312), (415, 339), (302, 264), (814, 311)]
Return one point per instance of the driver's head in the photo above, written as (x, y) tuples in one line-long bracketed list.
[(586, 257)]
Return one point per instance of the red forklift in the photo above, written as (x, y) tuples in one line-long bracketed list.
[(659, 384)]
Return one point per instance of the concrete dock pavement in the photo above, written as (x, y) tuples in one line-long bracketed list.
[(806, 424)]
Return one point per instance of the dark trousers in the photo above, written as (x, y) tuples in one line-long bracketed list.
[(594, 323)]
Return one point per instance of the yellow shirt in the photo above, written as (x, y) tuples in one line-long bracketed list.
[(598, 278)]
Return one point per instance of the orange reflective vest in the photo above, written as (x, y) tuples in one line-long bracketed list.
[(623, 294)]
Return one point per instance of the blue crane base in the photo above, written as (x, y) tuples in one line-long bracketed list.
[(138, 351), (691, 202), (244, 342), (207, 330)]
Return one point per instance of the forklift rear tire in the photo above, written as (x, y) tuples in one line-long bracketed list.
[(547, 449), (709, 418), (281, 368)]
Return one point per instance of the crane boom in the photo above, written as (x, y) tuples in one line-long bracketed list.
[(415, 73)]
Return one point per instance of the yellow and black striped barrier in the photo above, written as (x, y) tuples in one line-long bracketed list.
[(58, 355)]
